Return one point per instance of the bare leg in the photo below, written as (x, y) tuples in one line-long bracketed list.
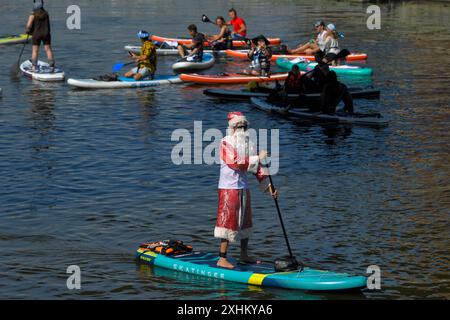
[(223, 262), (300, 49), (129, 74), (49, 52), (34, 56), (181, 51)]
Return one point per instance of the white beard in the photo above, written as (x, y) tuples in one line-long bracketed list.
[(242, 144)]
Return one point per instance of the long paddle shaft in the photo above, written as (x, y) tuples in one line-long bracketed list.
[(281, 221), (15, 67)]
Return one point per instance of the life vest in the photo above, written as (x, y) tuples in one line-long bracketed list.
[(167, 247), (293, 81)]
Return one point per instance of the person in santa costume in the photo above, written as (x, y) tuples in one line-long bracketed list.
[(238, 157)]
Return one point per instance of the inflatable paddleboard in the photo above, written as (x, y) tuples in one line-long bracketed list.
[(236, 43), (309, 97), (344, 70), (123, 82), (372, 120), (243, 55), (183, 66), (205, 264), (230, 78), (43, 72), (173, 51), (14, 39)]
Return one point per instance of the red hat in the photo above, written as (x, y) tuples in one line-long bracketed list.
[(236, 117)]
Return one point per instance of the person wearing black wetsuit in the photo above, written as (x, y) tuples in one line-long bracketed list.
[(314, 81), (334, 92), (196, 47), (38, 26)]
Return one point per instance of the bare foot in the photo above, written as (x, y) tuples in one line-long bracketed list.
[(224, 263)]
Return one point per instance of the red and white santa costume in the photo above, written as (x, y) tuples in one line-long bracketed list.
[(238, 156)]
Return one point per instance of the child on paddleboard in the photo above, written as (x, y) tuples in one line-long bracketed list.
[(260, 55), (238, 157), (38, 26), (146, 60)]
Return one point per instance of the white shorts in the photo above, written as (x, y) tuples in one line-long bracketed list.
[(142, 71)]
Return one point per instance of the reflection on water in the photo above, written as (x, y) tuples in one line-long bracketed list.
[(86, 175)]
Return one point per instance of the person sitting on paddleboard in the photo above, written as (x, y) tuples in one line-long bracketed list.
[(293, 83), (314, 45), (260, 55), (238, 157), (146, 60), (331, 45), (196, 47), (38, 26), (239, 27), (333, 93), (222, 40)]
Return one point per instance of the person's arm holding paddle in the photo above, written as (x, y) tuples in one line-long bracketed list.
[(29, 26)]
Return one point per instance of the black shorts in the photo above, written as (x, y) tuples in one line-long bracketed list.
[(38, 39)]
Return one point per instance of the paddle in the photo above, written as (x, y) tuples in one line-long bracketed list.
[(292, 263), (342, 54), (16, 67), (120, 65), (206, 19)]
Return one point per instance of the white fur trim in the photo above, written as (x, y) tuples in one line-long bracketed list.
[(230, 235), (235, 120)]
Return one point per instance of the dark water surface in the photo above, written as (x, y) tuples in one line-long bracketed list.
[(85, 176)]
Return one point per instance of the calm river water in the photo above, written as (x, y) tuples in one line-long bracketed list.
[(85, 176)]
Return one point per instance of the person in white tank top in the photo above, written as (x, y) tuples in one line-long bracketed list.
[(331, 44), (314, 45)]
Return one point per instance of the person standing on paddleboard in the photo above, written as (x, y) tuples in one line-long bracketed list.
[(260, 55), (146, 60), (239, 27), (238, 157), (38, 26), (196, 47)]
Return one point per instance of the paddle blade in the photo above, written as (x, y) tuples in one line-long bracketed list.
[(205, 18), (15, 69), (117, 67)]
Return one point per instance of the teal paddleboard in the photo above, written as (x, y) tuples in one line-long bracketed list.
[(344, 70), (264, 274)]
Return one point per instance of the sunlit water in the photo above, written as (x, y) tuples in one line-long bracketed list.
[(87, 175)]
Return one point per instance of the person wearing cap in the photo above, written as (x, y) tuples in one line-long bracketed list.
[(331, 45), (238, 158), (239, 27), (260, 55), (38, 26), (193, 51), (146, 60), (314, 45)]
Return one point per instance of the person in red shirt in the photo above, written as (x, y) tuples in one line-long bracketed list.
[(239, 27)]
